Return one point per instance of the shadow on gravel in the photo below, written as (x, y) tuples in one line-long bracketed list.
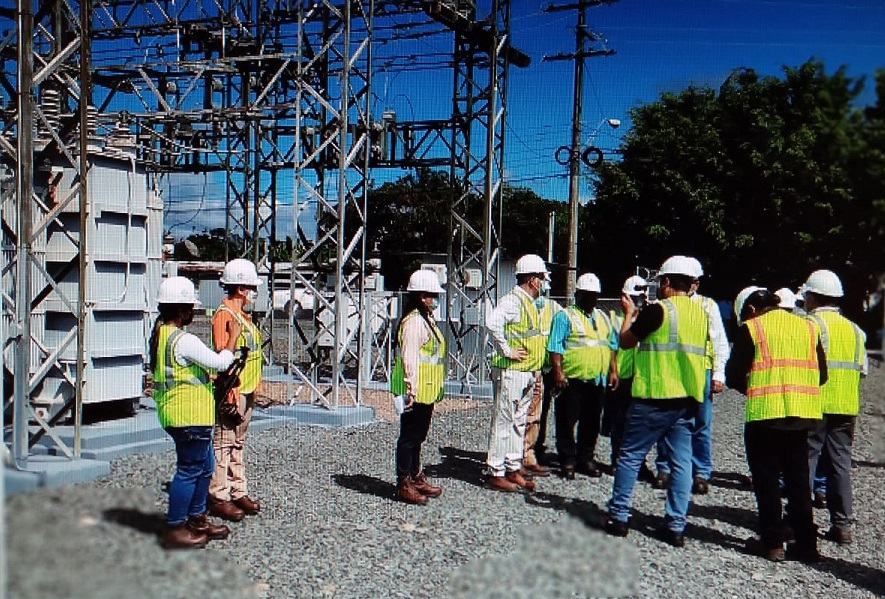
[(368, 485), (731, 480), (736, 516), (148, 523), (459, 464), (866, 464), (863, 577)]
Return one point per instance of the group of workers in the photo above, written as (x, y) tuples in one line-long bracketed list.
[(645, 376), (210, 475)]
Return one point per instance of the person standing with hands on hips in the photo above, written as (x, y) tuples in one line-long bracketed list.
[(418, 374), (515, 328), (228, 492), (180, 365)]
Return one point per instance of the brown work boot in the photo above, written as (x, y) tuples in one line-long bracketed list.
[(536, 469), (500, 483), (519, 480), (248, 505), (181, 537), (226, 510), (424, 487), (201, 526), (406, 491), (842, 536)]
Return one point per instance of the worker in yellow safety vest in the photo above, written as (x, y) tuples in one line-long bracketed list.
[(668, 384), (181, 364), (539, 408), (845, 347), (778, 362), (582, 348), (514, 326), (418, 376)]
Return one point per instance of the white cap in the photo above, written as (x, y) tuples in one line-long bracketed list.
[(177, 290), (787, 297), (531, 264), (742, 298), (240, 272), (681, 265), (424, 280), (633, 284), (823, 282), (588, 282)]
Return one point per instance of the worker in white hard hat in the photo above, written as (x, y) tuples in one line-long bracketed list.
[(181, 365), (716, 357), (418, 375), (668, 385), (515, 328), (786, 299), (229, 492), (539, 408), (582, 348), (618, 397), (845, 346), (778, 362)]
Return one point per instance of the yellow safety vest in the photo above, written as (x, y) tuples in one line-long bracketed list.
[(588, 350), (547, 313), (624, 357), (708, 305), (524, 332), (670, 362), (249, 337), (183, 394), (431, 365), (784, 379), (845, 346)]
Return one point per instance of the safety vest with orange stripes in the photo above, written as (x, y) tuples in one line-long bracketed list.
[(784, 379)]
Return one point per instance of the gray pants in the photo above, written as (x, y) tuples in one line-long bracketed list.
[(834, 435)]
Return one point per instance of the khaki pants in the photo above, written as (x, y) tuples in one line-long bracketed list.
[(513, 391), (229, 479), (532, 424)]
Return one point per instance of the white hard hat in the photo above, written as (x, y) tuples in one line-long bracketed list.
[(424, 280), (787, 297), (635, 285), (681, 265), (742, 298), (824, 282), (240, 272), (177, 290), (531, 264), (588, 282)]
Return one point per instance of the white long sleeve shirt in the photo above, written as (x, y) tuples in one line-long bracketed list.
[(721, 350), (507, 310), (190, 350), (415, 334)]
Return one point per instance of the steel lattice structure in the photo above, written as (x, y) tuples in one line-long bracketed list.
[(273, 99)]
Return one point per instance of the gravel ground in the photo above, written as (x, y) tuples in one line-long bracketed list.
[(330, 527)]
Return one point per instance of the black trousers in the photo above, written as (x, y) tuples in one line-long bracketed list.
[(547, 399), (614, 414), (580, 403), (413, 427), (772, 453)]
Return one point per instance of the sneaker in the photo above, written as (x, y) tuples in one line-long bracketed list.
[(615, 528), (842, 536), (700, 486), (661, 481)]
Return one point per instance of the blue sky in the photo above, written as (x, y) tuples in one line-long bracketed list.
[(660, 46)]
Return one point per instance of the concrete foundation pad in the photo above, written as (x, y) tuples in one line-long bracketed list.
[(52, 471), (315, 414)]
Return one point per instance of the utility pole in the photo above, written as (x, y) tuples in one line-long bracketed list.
[(582, 36)]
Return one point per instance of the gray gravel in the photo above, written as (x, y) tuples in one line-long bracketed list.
[(331, 529)]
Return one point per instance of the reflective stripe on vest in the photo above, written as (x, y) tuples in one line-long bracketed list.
[(587, 348), (784, 377), (670, 362), (844, 345), (431, 365), (526, 333), (249, 337)]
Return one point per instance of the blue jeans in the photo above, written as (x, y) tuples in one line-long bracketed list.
[(701, 438), (646, 424), (196, 462)]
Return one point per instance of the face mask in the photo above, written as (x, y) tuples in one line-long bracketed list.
[(251, 296), (539, 302), (433, 305)]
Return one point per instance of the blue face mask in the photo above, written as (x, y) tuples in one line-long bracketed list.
[(539, 302), (545, 287), (434, 304)]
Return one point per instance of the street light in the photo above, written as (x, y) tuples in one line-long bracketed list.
[(574, 172)]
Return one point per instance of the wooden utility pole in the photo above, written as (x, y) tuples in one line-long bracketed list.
[(582, 36)]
